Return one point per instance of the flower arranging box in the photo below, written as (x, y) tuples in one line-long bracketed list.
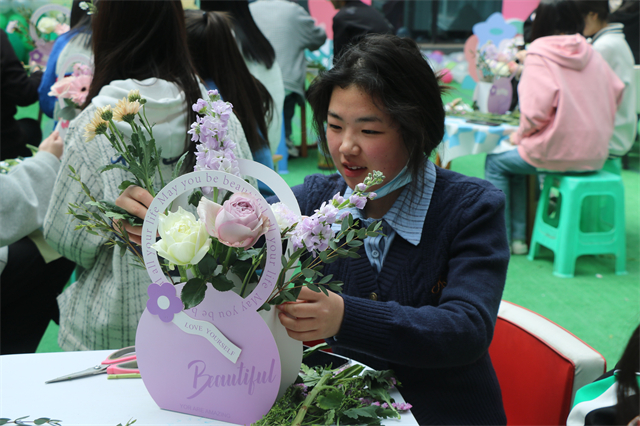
[(219, 359)]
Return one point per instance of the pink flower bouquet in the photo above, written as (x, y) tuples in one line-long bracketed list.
[(72, 90)]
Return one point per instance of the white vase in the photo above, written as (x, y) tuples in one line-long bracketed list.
[(290, 350), (481, 95)]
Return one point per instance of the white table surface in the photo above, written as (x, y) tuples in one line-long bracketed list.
[(462, 138), (91, 400)]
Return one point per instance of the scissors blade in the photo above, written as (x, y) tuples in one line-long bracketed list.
[(98, 369)]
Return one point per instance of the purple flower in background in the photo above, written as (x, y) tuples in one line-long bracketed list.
[(361, 187), (163, 301), (358, 201), (312, 233)]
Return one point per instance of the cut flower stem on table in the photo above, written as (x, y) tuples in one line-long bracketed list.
[(324, 395)]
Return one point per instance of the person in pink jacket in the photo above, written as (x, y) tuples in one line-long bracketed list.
[(568, 97)]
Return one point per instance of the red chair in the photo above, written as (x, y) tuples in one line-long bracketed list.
[(540, 366)]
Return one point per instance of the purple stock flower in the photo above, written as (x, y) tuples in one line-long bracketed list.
[(358, 201), (200, 106), (337, 199), (361, 187), (312, 233), (328, 212), (163, 301), (401, 406)]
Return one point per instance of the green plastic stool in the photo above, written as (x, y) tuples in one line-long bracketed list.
[(562, 229)]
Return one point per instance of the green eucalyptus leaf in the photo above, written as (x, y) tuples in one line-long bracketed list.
[(193, 292), (41, 421), (309, 273), (195, 197), (313, 287), (326, 279), (351, 234)]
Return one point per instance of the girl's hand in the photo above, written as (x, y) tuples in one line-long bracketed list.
[(513, 138), (313, 316), (135, 200)]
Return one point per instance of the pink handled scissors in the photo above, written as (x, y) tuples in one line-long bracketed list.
[(120, 364)]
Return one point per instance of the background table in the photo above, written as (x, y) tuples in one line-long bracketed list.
[(93, 400), (462, 138)]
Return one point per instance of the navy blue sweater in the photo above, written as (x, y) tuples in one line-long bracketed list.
[(437, 302)]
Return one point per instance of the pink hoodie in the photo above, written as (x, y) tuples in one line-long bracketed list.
[(568, 97)]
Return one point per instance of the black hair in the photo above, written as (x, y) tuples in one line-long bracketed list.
[(216, 56), (628, 369), (80, 22), (253, 43), (400, 81), (127, 46), (555, 17), (601, 7)]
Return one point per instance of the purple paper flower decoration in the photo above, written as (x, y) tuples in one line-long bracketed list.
[(163, 301), (36, 56), (495, 28)]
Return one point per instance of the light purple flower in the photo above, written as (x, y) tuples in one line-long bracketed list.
[(361, 187), (337, 199), (372, 195), (328, 212), (313, 234), (163, 301), (358, 201), (200, 106), (401, 406)]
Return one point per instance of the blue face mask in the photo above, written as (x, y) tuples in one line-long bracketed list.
[(401, 179)]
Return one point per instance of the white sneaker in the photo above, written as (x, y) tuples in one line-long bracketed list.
[(519, 247)]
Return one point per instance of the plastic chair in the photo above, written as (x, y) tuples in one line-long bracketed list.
[(570, 230), (540, 366)]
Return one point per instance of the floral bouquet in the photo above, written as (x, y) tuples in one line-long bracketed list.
[(45, 25), (219, 258), (72, 90), (219, 246), (494, 61)]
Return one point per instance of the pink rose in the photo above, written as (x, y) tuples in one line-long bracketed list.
[(237, 223), (61, 87)]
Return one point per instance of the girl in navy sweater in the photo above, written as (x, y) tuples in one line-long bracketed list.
[(423, 299)]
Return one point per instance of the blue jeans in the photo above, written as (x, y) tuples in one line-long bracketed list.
[(507, 171)]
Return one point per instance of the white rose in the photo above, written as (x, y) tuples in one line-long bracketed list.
[(184, 240), (284, 216), (47, 25)]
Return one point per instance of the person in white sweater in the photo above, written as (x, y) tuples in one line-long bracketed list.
[(290, 30), (29, 269), (259, 56), (102, 308), (608, 39)]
